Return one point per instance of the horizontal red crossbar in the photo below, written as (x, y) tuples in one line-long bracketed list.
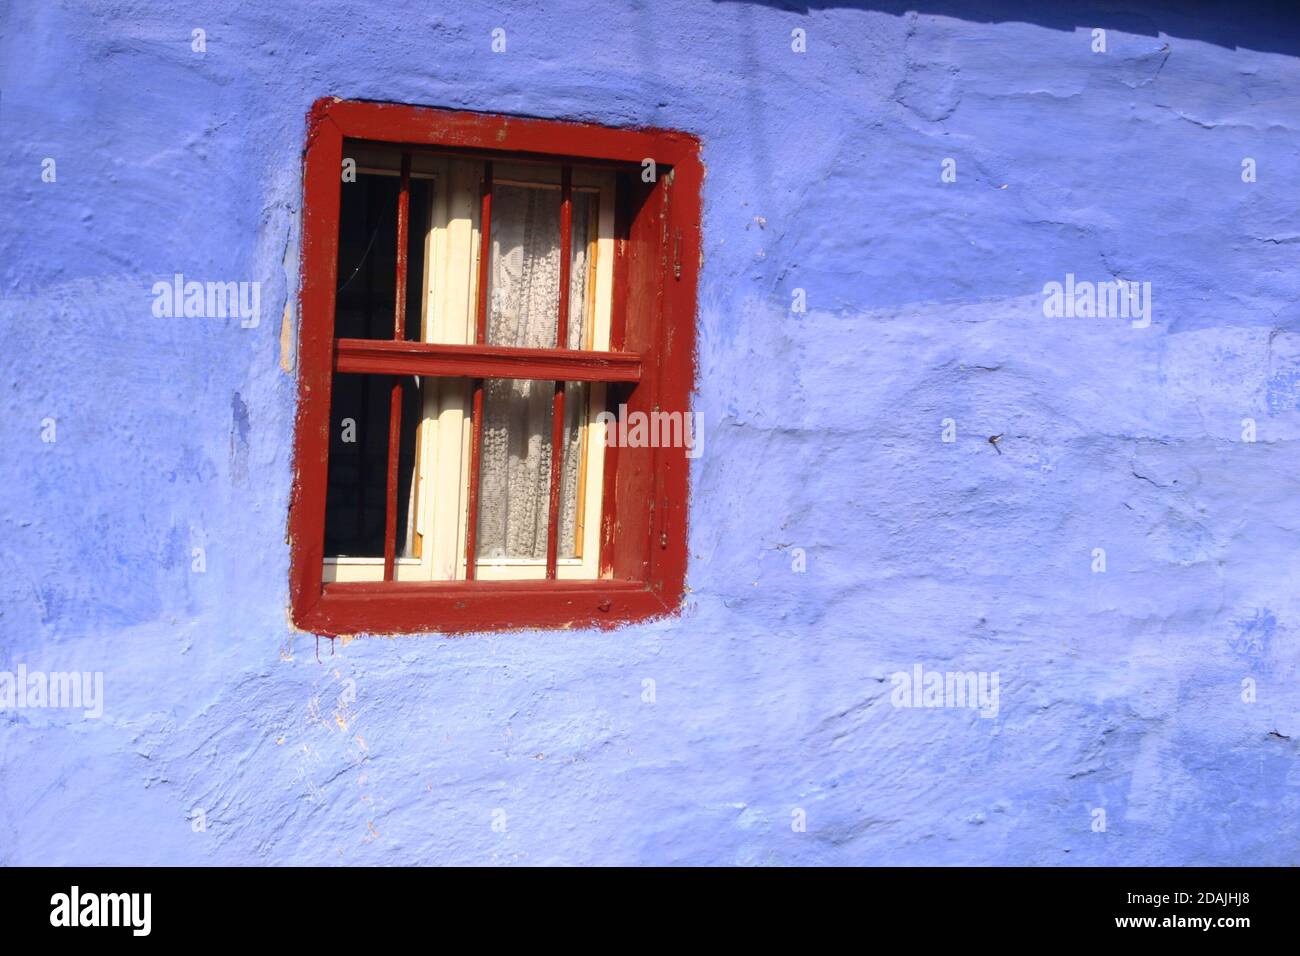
[(384, 357)]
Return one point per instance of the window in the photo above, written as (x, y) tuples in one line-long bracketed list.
[(481, 297)]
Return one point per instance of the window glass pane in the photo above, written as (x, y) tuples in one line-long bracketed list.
[(418, 224), (367, 261), (524, 277), (367, 258), (515, 470), (358, 466), (582, 269), (574, 467)]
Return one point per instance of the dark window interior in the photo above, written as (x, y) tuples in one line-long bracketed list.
[(367, 268)]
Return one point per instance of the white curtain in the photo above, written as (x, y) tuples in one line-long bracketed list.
[(524, 284)]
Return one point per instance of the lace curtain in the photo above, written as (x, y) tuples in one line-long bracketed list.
[(524, 295)]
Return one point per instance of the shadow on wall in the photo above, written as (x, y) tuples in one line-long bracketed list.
[(1266, 27), (1258, 25)]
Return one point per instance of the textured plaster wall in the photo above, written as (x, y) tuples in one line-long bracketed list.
[(1120, 691)]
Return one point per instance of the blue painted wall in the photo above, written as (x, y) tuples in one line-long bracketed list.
[(1120, 691)]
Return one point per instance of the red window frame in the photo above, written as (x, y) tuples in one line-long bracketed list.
[(652, 348)]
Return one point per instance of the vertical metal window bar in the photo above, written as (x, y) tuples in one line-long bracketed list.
[(480, 338), (561, 342), (395, 399)]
